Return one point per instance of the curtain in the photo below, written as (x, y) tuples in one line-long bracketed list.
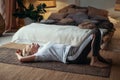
[(7, 7), (10, 21), (2, 8)]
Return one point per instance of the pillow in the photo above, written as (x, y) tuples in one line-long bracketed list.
[(97, 17), (91, 21), (66, 21), (86, 25), (57, 16), (78, 17), (70, 15), (94, 11), (48, 21), (65, 9), (73, 10), (84, 10)]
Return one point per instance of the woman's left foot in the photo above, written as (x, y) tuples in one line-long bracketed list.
[(95, 62)]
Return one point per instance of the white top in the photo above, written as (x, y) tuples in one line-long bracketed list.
[(52, 52)]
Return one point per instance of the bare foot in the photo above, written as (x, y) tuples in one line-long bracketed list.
[(95, 62)]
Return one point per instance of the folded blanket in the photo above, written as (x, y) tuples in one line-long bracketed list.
[(43, 33)]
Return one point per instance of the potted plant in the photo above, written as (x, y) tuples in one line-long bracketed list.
[(34, 13)]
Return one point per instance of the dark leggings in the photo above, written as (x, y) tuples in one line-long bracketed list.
[(93, 46)]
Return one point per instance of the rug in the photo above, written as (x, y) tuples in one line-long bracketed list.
[(7, 55)]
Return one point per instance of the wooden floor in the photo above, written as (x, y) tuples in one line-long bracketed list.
[(14, 72)]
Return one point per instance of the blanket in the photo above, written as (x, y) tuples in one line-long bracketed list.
[(43, 33)]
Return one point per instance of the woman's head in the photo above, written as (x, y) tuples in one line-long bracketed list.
[(30, 49)]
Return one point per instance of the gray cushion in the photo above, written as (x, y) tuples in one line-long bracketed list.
[(49, 21), (66, 21), (78, 17), (57, 16)]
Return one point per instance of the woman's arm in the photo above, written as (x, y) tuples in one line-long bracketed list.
[(25, 58)]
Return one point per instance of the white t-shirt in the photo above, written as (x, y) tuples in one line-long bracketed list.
[(52, 52)]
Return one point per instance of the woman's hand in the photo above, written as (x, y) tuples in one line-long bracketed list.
[(19, 54), (24, 58)]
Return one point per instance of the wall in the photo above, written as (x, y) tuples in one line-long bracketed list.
[(103, 4), (62, 3)]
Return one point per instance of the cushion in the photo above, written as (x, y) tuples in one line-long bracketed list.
[(65, 9), (57, 16), (73, 10), (66, 21), (86, 25), (91, 21), (97, 17), (48, 21), (94, 11), (78, 17), (84, 10)]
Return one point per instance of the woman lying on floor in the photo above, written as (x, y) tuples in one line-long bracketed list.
[(60, 52)]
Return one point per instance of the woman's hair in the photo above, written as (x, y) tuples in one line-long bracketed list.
[(26, 51), (30, 49)]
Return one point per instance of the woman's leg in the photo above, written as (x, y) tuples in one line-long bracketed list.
[(95, 48), (94, 45), (82, 58)]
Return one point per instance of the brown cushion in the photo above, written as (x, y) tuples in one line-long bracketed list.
[(86, 25), (97, 17), (66, 21), (94, 11), (57, 16), (48, 21), (73, 10), (84, 10)]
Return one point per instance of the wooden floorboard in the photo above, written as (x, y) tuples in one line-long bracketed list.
[(15, 72)]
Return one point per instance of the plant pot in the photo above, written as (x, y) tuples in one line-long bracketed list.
[(28, 21)]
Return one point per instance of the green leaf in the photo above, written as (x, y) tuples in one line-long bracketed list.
[(31, 7)]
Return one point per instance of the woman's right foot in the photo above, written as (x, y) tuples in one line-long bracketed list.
[(95, 62)]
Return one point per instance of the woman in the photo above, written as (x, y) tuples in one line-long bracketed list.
[(60, 52)]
